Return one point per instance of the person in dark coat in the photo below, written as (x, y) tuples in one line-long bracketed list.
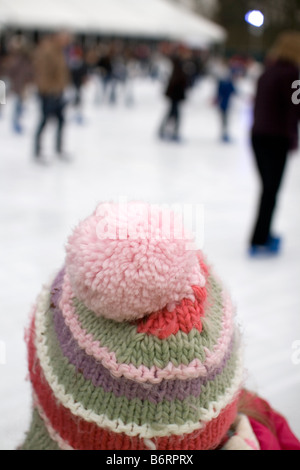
[(176, 93), (78, 73), (107, 76), (274, 135)]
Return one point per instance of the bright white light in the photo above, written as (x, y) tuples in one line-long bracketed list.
[(255, 18)]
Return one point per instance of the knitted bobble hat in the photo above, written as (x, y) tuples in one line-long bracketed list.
[(133, 345)]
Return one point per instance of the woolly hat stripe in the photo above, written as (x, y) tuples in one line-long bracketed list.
[(142, 373), (100, 376), (86, 435), (133, 408), (133, 347), (38, 437), (142, 344), (132, 429), (54, 435), (185, 316), (206, 439), (138, 347)]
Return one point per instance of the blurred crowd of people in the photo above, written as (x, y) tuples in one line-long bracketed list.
[(58, 62)]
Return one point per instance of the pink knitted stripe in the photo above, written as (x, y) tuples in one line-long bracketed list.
[(142, 373)]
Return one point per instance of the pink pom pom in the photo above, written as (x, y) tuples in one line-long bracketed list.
[(125, 262)]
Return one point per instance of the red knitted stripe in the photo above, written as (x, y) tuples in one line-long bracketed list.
[(83, 435), (185, 317)]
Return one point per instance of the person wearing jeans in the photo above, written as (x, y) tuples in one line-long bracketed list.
[(52, 78), (52, 107)]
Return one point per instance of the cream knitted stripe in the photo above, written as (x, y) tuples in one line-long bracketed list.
[(131, 429), (142, 373), (63, 445)]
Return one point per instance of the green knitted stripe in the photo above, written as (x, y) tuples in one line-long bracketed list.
[(139, 349), (37, 437), (135, 410)]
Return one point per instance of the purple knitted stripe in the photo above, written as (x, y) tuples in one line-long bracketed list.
[(100, 376)]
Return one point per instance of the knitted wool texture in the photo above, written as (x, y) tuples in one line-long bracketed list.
[(133, 346)]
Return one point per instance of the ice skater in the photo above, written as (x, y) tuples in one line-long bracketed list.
[(79, 74), (2, 82), (176, 93), (274, 135), (52, 78), (106, 70), (19, 71), (225, 92)]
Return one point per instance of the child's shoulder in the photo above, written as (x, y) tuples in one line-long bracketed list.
[(271, 429)]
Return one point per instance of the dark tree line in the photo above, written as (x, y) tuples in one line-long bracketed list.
[(279, 15)]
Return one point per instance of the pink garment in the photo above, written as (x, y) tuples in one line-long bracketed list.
[(282, 437)]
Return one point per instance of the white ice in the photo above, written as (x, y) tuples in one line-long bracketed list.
[(116, 154)]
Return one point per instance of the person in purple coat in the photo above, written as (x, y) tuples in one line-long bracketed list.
[(274, 135)]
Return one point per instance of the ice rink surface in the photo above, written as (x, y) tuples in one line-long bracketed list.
[(116, 154)]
